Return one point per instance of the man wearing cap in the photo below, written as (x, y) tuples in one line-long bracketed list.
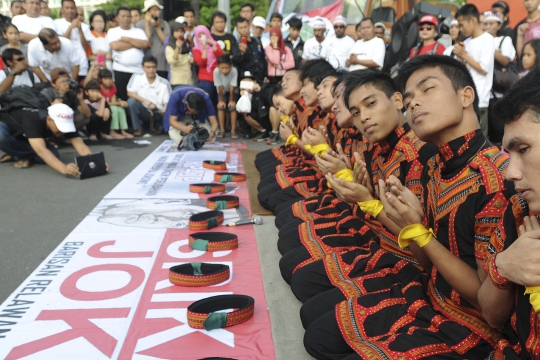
[(127, 44), (340, 45), (427, 28), (368, 52), (184, 102), (23, 133), (49, 51), (156, 31), (316, 47), (259, 25), (70, 27), (249, 54)]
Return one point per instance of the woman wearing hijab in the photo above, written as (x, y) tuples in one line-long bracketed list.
[(205, 55), (177, 55), (279, 57)]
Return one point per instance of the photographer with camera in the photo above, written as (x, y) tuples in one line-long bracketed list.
[(66, 91), (156, 30), (185, 102), (49, 51)]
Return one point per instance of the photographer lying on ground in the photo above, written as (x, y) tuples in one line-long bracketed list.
[(23, 133)]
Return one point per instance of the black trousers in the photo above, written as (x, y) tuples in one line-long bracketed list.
[(121, 80), (97, 125)]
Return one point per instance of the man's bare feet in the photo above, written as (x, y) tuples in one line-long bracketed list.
[(6, 158)]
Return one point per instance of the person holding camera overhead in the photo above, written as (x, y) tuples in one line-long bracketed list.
[(157, 30)]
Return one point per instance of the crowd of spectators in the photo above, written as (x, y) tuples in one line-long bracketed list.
[(136, 60)]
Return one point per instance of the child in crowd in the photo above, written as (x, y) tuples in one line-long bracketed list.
[(205, 55), (529, 57), (12, 35), (100, 113), (177, 55), (225, 80), (93, 74), (99, 49), (117, 106), (294, 40)]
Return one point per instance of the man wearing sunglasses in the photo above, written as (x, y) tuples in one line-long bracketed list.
[(340, 45), (427, 31), (16, 72)]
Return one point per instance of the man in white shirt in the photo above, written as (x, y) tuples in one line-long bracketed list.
[(148, 94), (16, 72), (127, 44), (49, 51), (368, 52), (70, 27), (316, 47), (478, 51), (31, 23), (340, 45)]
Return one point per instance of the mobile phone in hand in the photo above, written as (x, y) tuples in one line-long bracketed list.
[(244, 40), (203, 39), (100, 59)]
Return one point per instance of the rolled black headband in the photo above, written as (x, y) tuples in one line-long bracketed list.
[(222, 202), (213, 241), (229, 177), (206, 220), (199, 274), (208, 188), (203, 314)]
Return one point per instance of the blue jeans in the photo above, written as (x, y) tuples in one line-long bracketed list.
[(139, 114), (20, 148), (210, 89)]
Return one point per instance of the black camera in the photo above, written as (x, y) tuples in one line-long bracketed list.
[(73, 86), (155, 17)]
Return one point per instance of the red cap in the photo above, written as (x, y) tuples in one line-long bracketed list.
[(429, 19)]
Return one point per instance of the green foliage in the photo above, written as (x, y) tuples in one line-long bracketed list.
[(55, 13), (111, 5), (209, 6)]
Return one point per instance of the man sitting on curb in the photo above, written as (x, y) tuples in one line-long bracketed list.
[(189, 100), (23, 133), (148, 94)]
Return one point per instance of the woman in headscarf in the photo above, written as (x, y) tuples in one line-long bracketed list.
[(177, 55), (205, 55), (279, 57)]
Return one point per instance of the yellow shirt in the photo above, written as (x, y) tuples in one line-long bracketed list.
[(180, 68)]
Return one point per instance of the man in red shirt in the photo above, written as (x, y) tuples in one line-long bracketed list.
[(427, 30)]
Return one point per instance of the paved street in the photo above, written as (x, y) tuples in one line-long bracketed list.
[(40, 207)]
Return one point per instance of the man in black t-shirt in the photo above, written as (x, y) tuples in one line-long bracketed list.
[(225, 40), (23, 133)]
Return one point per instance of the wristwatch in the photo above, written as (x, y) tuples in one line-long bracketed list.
[(9, 71)]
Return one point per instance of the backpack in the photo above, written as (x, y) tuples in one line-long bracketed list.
[(20, 97)]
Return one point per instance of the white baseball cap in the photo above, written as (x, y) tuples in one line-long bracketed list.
[(258, 21), (62, 116), (180, 20), (149, 3)]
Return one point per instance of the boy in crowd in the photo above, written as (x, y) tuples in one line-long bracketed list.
[(225, 80), (294, 40), (464, 196), (478, 51), (99, 125), (276, 20), (259, 117), (225, 40)]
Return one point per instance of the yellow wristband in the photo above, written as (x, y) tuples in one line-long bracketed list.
[(415, 233), (372, 207), (345, 174), (291, 140), (319, 149), (534, 299)]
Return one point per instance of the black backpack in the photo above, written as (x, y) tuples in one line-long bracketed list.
[(20, 97)]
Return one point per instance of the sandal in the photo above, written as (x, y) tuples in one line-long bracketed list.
[(93, 138), (234, 135), (127, 135), (23, 164), (219, 135), (6, 158)]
